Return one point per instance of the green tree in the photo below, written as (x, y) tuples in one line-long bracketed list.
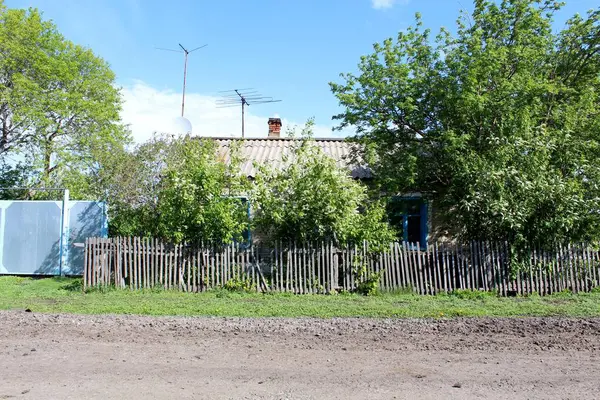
[(132, 182), (59, 106), (500, 122), (312, 199), (197, 198), (180, 190)]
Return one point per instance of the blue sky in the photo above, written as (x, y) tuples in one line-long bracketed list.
[(286, 49)]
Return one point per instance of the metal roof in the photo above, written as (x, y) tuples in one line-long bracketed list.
[(272, 150)]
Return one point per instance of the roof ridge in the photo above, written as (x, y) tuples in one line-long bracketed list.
[(323, 139)]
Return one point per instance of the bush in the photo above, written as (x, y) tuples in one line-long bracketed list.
[(242, 284), (180, 190), (312, 199), (369, 286)]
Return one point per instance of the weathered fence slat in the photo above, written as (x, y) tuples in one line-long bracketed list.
[(86, 276), (589, 269), (129, 256), (414, 268), (93, 261), (302, 269)]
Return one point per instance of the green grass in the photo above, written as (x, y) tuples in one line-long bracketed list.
[(64, 295)]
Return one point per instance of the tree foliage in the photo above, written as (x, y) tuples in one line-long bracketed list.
[(500, 122), (59, 106), (180, 190), (311, 199)]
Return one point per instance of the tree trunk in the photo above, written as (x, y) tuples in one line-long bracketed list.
[(4, 137), (47, 159)]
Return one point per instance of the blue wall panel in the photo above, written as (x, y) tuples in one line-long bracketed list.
[(87, 219), (30, 235)]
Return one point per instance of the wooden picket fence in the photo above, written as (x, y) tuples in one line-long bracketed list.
[(143, 263)]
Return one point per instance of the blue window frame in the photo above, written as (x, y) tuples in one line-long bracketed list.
[(409, 216)]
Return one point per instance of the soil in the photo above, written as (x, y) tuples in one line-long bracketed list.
[(45, 356)]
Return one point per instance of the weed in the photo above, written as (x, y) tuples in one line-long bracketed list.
[(76, 285), (369, 286), (366, 283), (316, 285), (241, 284)]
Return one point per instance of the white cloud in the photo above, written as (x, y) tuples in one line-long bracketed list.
[(148, 110), (383, 4)]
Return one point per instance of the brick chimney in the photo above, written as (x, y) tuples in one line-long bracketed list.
[(274, 127)]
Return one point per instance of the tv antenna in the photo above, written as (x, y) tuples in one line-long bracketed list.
[(245, 97), (186, 52)]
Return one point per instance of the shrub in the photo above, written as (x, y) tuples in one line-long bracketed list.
[(239, 284), (312, 199)]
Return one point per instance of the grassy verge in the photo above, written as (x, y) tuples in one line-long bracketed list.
[(64, 295)]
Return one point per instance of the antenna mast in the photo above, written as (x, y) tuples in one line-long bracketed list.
[(231, 98), (186, 52)]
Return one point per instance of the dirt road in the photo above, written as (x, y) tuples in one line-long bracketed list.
[(125, 357)]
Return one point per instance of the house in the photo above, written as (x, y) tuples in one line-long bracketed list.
[(410, 213)]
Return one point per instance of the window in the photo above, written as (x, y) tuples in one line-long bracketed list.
[(409, 216)]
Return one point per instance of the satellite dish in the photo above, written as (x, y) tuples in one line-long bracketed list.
[(181, 126)]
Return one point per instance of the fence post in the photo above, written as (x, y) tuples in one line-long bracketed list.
[(86, 254), (64, 234)]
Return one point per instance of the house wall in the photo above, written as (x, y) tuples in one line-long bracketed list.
[(438, 229)]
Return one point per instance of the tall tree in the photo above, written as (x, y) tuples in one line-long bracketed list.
[(59, 106), (500, 122)]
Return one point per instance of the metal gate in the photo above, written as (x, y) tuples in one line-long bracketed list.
[(47, 237)]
